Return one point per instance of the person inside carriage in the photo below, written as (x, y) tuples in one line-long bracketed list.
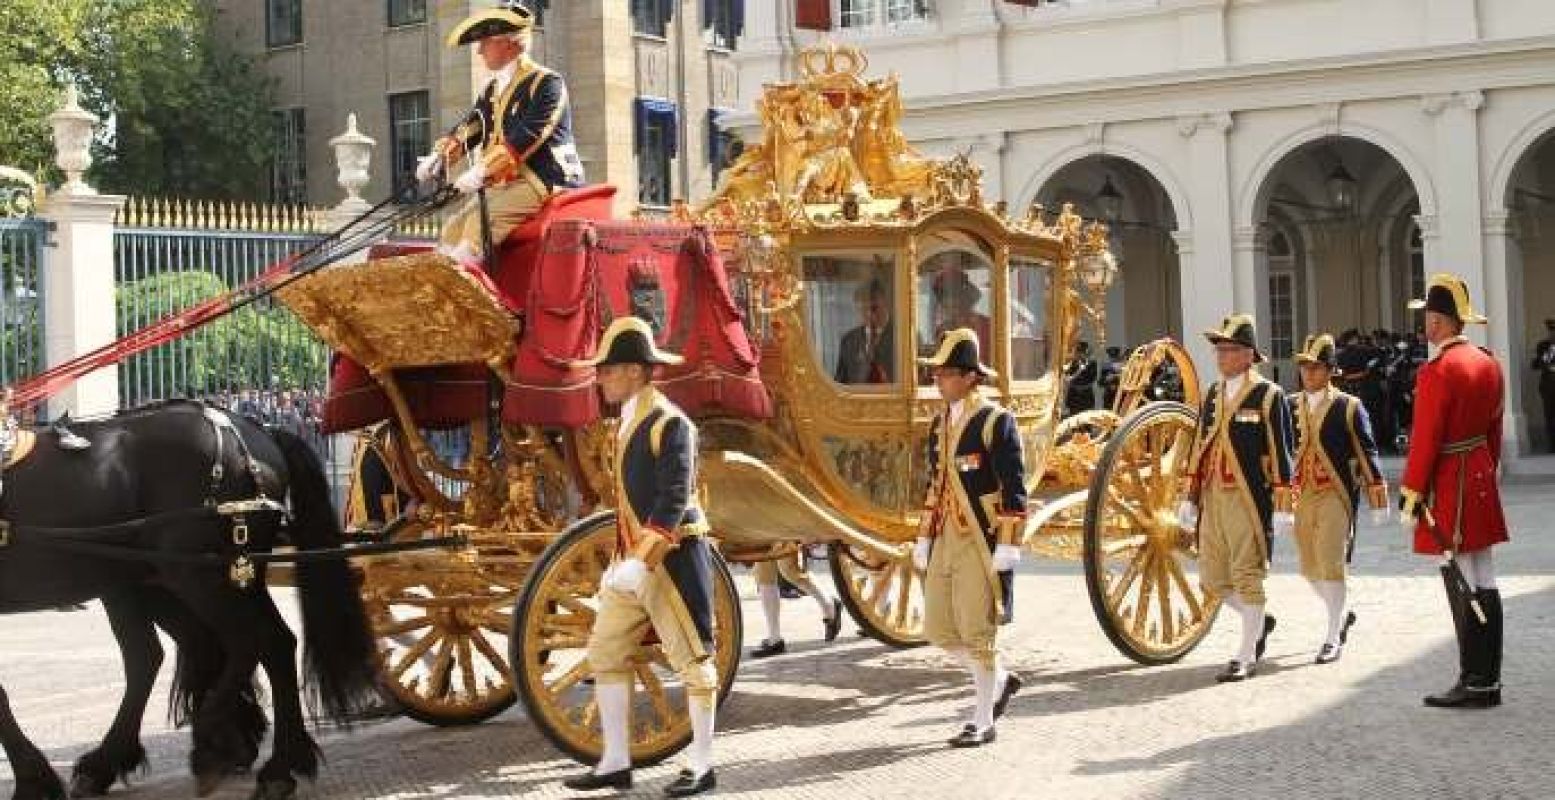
[(516, 143)]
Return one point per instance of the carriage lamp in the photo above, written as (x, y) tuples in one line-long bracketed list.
[(353, 154), (1098, 269), (73, 127)]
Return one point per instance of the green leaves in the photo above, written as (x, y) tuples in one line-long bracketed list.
[(183, 113)]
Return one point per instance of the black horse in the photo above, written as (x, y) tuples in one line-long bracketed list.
[(133, 520)]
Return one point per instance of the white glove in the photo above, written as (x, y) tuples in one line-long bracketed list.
[(472, 180), (627, 577), (920, 555), (1381, 516), (1005, 557), (428, 166), (1284, 523), (1187, 515), (1408, 523)]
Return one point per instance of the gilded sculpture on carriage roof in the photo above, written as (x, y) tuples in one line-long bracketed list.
[(830, 135)]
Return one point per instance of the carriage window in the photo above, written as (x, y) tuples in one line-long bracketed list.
[(1030, 352), (955, 290), (848, 307)]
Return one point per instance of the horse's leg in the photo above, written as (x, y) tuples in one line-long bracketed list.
[(201, 661), (121, 752), (35, 777), (295, 752)]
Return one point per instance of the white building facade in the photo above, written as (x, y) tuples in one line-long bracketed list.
[(1306, 160)]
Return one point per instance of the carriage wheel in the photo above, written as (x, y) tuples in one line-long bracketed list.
[(1139, 564), (551, 625), (441, 628), (884, 595)]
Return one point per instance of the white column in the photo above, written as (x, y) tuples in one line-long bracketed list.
[(1459, 245), (976, 30), (79, 311), (1503, 305), (1205, 277)]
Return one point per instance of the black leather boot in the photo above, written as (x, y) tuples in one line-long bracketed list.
[(1479, 647)]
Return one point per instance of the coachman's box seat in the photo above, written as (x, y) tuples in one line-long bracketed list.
[(567, 272)]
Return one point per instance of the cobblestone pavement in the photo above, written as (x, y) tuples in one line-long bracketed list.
[(860, 720)]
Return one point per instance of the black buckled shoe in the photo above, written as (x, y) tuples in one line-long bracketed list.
[(590, 781), (970, 736), (1263, 641), (1462, 696), (1012, 685), (769, 648), (1328, 653), (1344, 632), (1235, 671), (834, 622), (688, 783)]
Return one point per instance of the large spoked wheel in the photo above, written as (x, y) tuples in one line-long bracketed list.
[(1140, 566), (551, 625), (441, 626), (884, 595)]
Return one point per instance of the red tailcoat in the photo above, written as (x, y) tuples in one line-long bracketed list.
[(1455, 448)]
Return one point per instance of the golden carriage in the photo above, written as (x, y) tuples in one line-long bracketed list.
[(830, 225)]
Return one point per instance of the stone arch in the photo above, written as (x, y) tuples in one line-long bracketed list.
[(1252, 200)]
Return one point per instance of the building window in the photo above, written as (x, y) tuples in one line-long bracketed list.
[(410, 134), (1282, 297), (283, 22), (289, 172), (656, 148), (724, 21), (723, 147), (652, 17), (407, 12), (874, 13)]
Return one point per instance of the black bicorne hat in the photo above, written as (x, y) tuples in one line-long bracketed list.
[(1448, 294), (629, 340), (511, 16), (1238, 329), (959, 350), (1317, 350)]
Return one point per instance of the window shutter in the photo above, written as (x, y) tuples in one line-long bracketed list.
[(813, 15)]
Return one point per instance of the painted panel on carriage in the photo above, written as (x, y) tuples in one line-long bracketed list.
[(877, 471)]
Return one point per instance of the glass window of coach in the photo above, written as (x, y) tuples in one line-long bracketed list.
[(1030, 349), (849, 305), (955, 290)]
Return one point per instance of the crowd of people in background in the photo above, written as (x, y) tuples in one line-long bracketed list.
[(1378, 367), (299, 411)]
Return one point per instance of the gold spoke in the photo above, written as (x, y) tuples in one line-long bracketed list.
[(1112, 547), (490, 653), (1115, 596), (1164, 593), (414, 654), (654, 688), (1146, 591), (1114, 500), (1179, 577), (467, 667), (569, 679), (442, 668), (400, 628)]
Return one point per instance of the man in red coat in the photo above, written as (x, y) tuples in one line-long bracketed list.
[(1454, 453)]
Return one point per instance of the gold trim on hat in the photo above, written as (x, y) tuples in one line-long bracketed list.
[(621, 327), (947, 345), (520, 19), (1460, 297), (1313, 346)]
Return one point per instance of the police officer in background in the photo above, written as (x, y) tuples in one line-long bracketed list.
[(1544, 365), (1080, 372), (1111, 376)]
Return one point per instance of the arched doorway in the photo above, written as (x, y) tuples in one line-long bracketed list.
[(1340, 251), (1530, 203), (1145, 302)]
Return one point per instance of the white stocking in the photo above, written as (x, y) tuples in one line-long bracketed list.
[(772, 610), (614, 723)]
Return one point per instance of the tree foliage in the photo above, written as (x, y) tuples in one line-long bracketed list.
[(253, 348), (183, 113)]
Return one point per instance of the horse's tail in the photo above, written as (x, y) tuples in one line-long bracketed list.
[(338, 651)]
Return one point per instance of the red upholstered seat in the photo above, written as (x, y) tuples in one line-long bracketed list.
[(441, 397)]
